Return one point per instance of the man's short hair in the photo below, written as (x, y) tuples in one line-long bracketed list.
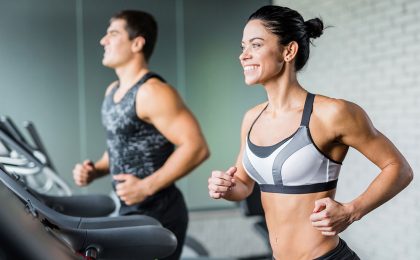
[(139, 23)]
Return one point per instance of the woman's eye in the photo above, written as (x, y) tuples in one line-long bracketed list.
[(256, 45), (242, 47)]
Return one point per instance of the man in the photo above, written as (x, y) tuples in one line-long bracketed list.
[(145, 120)]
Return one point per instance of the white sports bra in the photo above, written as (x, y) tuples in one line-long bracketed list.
[(293, 166)]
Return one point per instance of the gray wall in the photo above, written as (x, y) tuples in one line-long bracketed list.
[(371, 57), (38, 71), (50, 65), (215, 89)]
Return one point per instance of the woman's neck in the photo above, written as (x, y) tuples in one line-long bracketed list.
[(284, 93)]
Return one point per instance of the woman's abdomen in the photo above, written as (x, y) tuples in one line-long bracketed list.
[(292, 235)]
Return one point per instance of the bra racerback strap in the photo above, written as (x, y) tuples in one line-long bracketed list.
[(307, 110)]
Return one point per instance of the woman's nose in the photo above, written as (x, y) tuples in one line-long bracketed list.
[(244, 55)]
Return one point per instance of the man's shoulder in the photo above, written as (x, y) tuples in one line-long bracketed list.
[(110, 87), (156, 90), (157, 98), (155, 84)]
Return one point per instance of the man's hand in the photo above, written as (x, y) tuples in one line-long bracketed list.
[(84, 173), (331, 217), (131, 189)]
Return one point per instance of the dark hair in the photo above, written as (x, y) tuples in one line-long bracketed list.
[(289, 26), (140, 23)]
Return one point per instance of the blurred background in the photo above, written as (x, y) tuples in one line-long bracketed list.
[(51, 74)]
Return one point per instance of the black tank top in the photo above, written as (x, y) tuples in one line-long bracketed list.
[(134, 146)]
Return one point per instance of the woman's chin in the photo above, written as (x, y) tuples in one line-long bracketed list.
[(250, 82)]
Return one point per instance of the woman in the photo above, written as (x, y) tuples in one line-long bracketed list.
[(293, 145)]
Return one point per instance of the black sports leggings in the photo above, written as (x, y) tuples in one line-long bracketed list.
[(341, 252)]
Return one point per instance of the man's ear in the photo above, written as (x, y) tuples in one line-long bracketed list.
[(138, 44), (290, 51)]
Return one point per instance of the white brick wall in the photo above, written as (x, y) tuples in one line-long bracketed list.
[(371, 56)]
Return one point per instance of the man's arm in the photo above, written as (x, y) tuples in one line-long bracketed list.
[(101, 167), (87, 171), (160, 105), (84, 173)]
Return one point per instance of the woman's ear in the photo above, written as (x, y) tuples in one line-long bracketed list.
[(138, 44), (290, 51)]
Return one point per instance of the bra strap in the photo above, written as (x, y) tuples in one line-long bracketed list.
[(253, 123), (307, 110)]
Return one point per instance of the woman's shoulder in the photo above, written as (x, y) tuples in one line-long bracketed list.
[(253, 112), (326, 103), (333, 110)]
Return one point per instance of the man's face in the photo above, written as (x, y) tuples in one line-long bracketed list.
[(117, 45)]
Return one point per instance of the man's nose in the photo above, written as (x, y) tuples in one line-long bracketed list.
[(103, 41)]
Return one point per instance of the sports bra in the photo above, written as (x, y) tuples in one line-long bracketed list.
[(295, 165)]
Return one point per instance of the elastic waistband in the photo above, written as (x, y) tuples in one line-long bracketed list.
[(301, 189), (341, 245)]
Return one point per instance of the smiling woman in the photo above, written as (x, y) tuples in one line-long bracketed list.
[(294, 144)]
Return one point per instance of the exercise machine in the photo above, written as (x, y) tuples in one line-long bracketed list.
[(31, 159), (29, 164), (125, 237)]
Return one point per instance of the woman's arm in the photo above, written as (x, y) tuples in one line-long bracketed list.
[(355, 129), (234, 184)]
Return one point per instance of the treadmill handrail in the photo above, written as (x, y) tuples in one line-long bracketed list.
[(36, 138), (19, 147), (31, 156), (22, 170), (13, 161), (59, 219)]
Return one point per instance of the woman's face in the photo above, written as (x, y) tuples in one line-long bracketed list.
[(261, 57)]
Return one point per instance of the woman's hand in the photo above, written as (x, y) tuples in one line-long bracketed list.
[(331, 217), (221, 182)]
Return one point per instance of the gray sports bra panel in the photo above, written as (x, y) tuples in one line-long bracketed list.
[(293, 166)]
